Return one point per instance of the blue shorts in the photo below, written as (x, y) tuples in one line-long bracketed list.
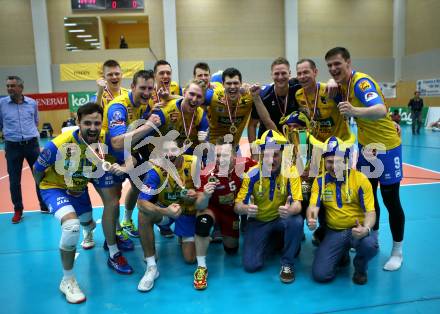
[(392, 165), (185, 226), (108, 180), (61, 203)]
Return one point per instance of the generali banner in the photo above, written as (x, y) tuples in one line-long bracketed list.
[(93, 71), (51, 101)]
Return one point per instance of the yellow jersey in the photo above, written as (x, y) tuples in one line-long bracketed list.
[(172, 118), (329, 122), (341, 212), (365, 92), (271, 194), (156, 177), (219, 118), (63, 161), (108, 97)]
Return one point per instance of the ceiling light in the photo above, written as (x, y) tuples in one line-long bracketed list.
[(70, 24), (76, 30), (83, 36)]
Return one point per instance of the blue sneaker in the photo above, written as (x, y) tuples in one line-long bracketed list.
[(119, 263), (123, 241)]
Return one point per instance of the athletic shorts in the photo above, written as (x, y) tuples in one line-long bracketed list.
[(392, 165), (60, 202), (228, 222), (185, 226)]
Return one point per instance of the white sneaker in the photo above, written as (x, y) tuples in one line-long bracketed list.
[(72, 291), (394, 263), (147, 281), (88, 241)]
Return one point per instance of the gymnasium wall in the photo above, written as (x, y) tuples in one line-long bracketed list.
[(247, 34)]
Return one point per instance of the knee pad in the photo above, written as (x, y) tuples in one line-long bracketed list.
[(204, 224), (231, 250), (69, 234)]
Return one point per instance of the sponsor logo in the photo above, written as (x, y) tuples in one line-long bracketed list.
[(370, 96), (364, 85)]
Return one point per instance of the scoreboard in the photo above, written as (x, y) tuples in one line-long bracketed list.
[(101, 5)]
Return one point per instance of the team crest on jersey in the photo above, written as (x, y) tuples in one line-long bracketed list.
[(370, 96), (364, 85)]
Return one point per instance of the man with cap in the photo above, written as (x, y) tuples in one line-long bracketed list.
[(276, 207), (347, 197)]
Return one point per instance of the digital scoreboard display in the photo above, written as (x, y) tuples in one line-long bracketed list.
[(101, 5)]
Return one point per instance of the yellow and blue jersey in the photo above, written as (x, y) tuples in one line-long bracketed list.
[(341, 212), (171, 118), (156, 177), (65, 147), (108, 97), (329, 121), (219, 119), (274, 192), (365, 92), (120, 113)]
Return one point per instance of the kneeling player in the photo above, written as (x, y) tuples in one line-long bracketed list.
[(215, 202)]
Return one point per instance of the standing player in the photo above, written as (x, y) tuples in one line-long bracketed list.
[(109, 87), (220, 184), (202, 72), (278, 97), (165, 88), (62, 176), (362, 99), (118, 115), (169, 194), (186, 116), (229, 110)]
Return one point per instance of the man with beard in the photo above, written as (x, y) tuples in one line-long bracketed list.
[(274, 217), (168, 192), (186, 116), (62, 171), (220, 183), (118, 115), (379, 141)]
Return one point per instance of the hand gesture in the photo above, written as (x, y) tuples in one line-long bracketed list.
[(332, 88), (255, 90), (244, 89), (155, 119), (283, 210), (359, 231), (209, 188), (312, 222), (252, 210), (101, 83), (346, 109), (174, 210), (163, 93)]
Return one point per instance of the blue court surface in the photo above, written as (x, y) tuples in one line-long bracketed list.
[(30, 267)]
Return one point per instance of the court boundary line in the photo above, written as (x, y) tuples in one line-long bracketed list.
[(422, 168)]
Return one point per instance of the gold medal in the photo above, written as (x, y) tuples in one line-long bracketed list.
[(106, 166), (183, 192), (233, 129), (187, 142)]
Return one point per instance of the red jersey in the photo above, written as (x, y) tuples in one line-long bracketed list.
[(228, 186)]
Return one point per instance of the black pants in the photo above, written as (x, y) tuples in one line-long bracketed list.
[(416, 121), (16, 153)]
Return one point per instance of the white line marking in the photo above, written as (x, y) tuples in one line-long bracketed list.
[(76, 256), (422, 168), (99, 221), (4, 177)]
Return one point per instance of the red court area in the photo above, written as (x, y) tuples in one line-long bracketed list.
[(413, 176)]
